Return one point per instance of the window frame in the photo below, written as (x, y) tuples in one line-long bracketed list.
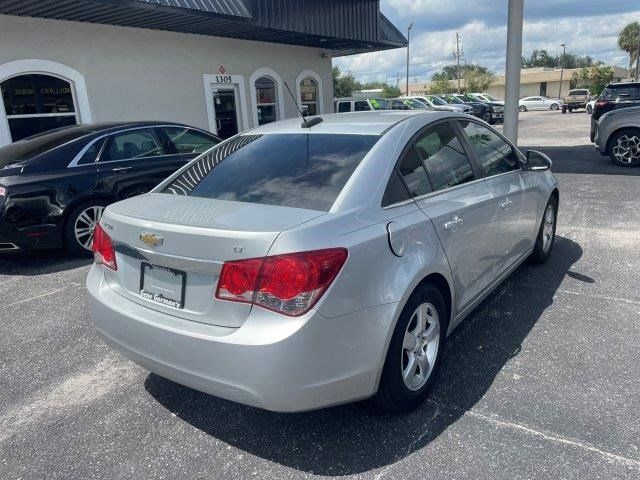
[(274, 104), (478, 171)]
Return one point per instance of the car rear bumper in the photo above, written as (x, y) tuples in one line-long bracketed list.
[(271, 362), (38, 237)]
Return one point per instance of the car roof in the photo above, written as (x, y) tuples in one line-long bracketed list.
[(623, 84), (354, 123)]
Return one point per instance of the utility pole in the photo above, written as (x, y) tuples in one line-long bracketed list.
[(564, 51), (512, 75), (638, 60), (458, 57), (408, 59)]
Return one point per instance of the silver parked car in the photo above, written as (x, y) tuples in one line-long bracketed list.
[(293, 268), (540, 103), (618, 135)]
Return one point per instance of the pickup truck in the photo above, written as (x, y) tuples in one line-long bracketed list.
[(575, 99)]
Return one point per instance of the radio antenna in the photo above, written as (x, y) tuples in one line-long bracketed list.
[(306, 124)]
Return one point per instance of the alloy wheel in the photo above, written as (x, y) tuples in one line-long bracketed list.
[(420, 346), (523, 108), (85, 225), (627, 149), (548, 229), (554, 106)]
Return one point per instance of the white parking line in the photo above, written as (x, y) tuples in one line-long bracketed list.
[(48, 294)]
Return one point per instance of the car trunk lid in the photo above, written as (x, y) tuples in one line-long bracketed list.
[(170, 250)]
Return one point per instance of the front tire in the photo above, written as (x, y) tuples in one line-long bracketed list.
[(624, 148), (547, 233), (523, 108), (415, 352), (564, 109), (487, 117), (589, 109), (79, 227)]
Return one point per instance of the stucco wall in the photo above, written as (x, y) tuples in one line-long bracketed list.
[(138, 74), (532, 89)]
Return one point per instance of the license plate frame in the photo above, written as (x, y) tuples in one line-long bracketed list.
[(158, 297)]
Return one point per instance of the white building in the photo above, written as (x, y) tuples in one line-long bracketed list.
[(219, 65)]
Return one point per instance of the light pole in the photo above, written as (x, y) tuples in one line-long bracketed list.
[(408, 43), (564, 51)]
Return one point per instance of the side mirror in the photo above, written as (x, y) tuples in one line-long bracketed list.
[(538, 161)]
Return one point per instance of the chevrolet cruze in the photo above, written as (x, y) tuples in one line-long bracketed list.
[(301, 265)]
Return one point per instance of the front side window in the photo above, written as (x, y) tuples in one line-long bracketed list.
[(309, 94), (266, 100), (36, 103), (187, 140), (291, 170), (495, 155), (132, 145), (444, 157)]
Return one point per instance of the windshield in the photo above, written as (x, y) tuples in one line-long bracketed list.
[(437, 100), (452, 99), (379, 103), (415, 104), (290, 170), (24, 150), (489, 97)]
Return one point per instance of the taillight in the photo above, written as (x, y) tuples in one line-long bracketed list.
[(3, 191), (103, 251), (602, 103), (289, 284)]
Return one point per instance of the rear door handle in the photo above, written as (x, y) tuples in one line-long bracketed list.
[(455, 223), (506, 203)]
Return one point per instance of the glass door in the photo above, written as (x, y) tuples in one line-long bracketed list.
[(225, 107)]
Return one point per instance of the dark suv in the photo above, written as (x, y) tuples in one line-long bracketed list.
[(615, 96)]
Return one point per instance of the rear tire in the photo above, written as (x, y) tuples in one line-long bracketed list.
[(78, 229), (554, 106), (415, 352), (547, 233), (624, 148)]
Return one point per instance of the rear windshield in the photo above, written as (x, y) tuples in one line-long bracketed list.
[(291, 170), (617, 92), (24, 150)]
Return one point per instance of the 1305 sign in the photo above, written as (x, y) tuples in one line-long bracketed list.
[(223, 79)]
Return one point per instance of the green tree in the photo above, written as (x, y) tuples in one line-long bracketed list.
[(594, 78), (477, 81), (440, 83), (628, 42), (388, 91), (542, 58), (344, 85)]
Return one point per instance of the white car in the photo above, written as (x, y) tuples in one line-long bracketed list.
[(540, 103)]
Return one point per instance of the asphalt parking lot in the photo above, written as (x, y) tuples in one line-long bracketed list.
[(542, 381)]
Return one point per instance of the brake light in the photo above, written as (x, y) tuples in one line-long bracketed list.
[(103, 251), (602, 103), (3, 191), (289, 284)]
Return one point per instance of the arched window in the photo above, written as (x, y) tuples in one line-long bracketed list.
[(266, 100), (35, 103), (309, 96)]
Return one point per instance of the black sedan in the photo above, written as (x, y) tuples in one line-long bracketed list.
[(54, 186), (480, 110)]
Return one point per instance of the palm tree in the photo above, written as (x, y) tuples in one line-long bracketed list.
[(628, 41)]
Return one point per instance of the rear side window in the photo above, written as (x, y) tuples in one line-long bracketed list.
[(413, 173), (396, 191), (132, 144), (292, 170), (344, 107), (92, 152), (362, 106), (444, 157), (495, 155), (187, 140)]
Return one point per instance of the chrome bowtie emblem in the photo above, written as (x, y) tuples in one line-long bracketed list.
[(151, 239)]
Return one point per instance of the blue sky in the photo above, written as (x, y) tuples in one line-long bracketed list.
[(588, 27)]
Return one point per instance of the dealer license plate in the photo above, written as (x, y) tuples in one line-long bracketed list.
[(162, 285)]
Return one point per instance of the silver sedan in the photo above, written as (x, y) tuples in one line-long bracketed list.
[(540, 103), (297, 266)]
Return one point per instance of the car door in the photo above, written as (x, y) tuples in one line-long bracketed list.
[(462, 208), (513, 188), (134, 161)]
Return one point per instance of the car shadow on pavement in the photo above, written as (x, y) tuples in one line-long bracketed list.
[(39, 262), (357, 438), (583, 159)]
